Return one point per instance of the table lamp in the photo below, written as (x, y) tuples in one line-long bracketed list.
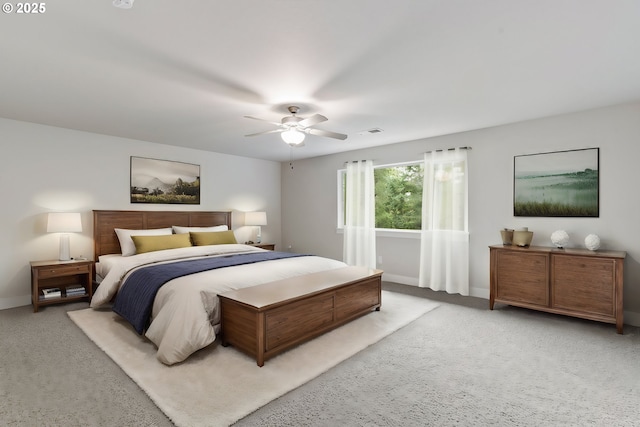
[(258, 219), (64, 222)]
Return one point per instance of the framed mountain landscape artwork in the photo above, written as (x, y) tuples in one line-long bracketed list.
[(164, 181), (557, 184)]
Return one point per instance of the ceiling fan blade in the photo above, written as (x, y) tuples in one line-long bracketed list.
[(313, 120), (263, 120), (326, 133), (266, 132)]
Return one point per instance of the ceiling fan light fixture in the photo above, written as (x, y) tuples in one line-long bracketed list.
[(292, 137), (293, 128)]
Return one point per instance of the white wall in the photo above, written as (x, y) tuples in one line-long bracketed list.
[(44, 169), (309, 201)]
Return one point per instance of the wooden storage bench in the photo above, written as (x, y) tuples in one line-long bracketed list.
[(268, 319)]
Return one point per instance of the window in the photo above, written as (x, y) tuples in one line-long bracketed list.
[(398, 196)]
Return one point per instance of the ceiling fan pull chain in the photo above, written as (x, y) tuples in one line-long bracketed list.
[(291, 157)]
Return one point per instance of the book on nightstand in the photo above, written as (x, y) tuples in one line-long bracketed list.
[(75, 290), (52, 293)]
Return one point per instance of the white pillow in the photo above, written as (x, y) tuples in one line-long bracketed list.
[(184, 230), (105, 263), (127, 246)]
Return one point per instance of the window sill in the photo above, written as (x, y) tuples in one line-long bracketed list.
[(387, 232)]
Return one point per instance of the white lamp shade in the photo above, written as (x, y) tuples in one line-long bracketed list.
[(255, 218), (292, 137), (64, 222)]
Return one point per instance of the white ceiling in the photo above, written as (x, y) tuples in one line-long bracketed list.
[(186, 72)]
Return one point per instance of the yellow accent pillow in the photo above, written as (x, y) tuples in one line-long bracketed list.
[(159, 243), (212, 238)]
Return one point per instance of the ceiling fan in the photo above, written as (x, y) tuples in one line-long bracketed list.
[(292, 128)]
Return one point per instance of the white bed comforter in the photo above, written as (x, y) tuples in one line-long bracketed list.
[(186, 314)]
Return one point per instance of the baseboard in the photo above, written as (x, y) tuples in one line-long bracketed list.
[(479, 292), (631, 318), (403, 280), (13, 302), (413, 281)]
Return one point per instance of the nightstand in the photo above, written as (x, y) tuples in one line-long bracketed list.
[(268, 246), (65, 275)]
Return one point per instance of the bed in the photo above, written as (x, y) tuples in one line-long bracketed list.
[(184, 315)]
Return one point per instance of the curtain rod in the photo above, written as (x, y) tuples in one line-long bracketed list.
[(449, 149), (355, 161)]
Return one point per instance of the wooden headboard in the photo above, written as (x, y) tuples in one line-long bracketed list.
[(105, 240)]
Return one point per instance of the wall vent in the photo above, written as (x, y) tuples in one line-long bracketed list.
[(371, 131)]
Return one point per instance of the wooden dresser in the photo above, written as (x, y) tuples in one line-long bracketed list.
[(573, 282)]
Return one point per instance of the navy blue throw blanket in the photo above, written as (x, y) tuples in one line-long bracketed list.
[(134, 300)]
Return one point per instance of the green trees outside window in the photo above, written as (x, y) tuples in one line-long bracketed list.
[(398, 196)]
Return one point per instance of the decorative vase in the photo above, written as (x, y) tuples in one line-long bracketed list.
[(560, 238), (507, 236), (592, 242)]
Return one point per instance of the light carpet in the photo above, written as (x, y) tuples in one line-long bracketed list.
[(218, 386), (470, 367)]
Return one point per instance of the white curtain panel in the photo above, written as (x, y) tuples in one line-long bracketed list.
[(360, 222), (444, 248)]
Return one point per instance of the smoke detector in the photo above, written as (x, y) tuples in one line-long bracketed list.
[(123, 4)]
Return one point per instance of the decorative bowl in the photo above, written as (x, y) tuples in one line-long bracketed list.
[(522, 238)]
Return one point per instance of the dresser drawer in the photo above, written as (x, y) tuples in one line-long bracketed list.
[(584, 284), (44, 273), (522, 278)]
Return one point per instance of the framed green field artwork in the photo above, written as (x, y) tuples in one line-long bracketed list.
[(557, 184)]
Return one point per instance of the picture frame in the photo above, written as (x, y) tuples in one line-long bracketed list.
[(164, 182), (557, 184)]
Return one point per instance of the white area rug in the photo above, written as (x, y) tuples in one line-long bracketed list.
[(218, 386)]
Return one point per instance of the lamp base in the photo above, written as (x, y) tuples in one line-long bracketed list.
[(64, 248), (259, 235)]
